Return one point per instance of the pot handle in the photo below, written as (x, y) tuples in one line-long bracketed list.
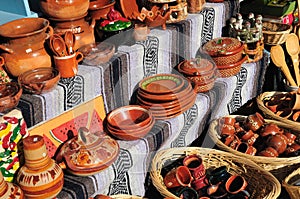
[(6, 49), (50, 30)]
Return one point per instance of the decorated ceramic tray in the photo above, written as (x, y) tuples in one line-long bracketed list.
[(161, 84)]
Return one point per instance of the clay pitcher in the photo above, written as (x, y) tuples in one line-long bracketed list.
[(81, 28), (23, 46), (40, 177), (9, 190)]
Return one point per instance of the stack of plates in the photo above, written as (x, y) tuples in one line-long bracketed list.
[(166, 95)]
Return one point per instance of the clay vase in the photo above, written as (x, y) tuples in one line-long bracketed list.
[(9, 190), (64, 9), (40, 176), (83, 29), (24, 48)]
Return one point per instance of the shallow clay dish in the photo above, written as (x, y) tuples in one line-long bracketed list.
[(10, 94), (161, 84), (129, 117), (95, 54), (39, 80)]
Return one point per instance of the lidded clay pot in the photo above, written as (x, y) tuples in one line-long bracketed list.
[(46, 176), (64, 9), (24, 44), (9, 190)]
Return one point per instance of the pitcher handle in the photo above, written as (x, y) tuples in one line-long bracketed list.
[(6, 49), (50, 30)]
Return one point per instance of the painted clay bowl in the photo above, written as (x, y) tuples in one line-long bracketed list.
[(197, 66), (129, 117), (39, 80), (161, 84), (10, 94)]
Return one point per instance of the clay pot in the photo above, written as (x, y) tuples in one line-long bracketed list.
[(218, 175), (269, 152), (177, 177), (278, 142), (270, 129), (10, 94), (64, 9), (244, 147), (290, 137), (254, 121), (226, 129), (199, 183), (9, 190), (24, 48), (48, 177), (293, 150), (228, 120), (99, 9), (83, 29), (236, 184), (195, 165), (3, 75)]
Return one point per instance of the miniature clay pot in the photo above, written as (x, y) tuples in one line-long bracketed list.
[(290, 137), (99, 9), (64, 9), (254, 121), (48, 176), (180, 176), (10, 190), (244, 147), (218, 175), (24, 48), (278, 142), (195, 165), (10, 94), (235, 184), (226, 129), (293, 150), (199, 183), (228, 120), (270, 129), (269, 152)]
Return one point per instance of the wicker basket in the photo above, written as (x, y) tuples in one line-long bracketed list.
[(261, 183), (269, 114), (232, 69), (275, 33), (279, 167), (293, 190)]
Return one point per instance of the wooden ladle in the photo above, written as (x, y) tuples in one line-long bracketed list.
[(292, 47), (70, 41), (59, 46), (278, 58)]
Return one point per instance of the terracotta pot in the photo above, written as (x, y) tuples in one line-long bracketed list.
[(99, 9), (254, 121), (200, 183), (9, 190), (48, 176), (236, 184), (83, 29), (10, 94), (293, 150), (177, 177), (278, 142), (228, 120), (244, 147), (24, 48), (64, 9), (195, 165), (269, 152), (290, 137), (226, 129)]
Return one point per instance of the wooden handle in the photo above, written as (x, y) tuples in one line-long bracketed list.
[(288, 75), (296, 68)]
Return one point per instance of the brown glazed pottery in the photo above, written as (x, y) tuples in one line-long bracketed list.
[(80, 26), (24, 48), (48, 177), (228, 120), (236, 184), (269, 152), (10, 94), (226, 129), (254, 121), (270, 129), (64, 9), (39, 80), (3, 75), (195, 165), (129, 117), (278, 142), (88, 153), (95, 54), (195, 6), (10, 190), (290, 137), (224, 50), (68, 65), (244, 147), (180, 176), (99, 9)]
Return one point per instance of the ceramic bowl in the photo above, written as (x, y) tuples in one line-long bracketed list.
[(129, 117), (39, 80), (95, 54), (99, 9), (10, 94), (196, 67)]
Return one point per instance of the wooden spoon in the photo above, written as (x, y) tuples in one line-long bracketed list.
[(278, 58), (292, 47), (59, 46), (70, 41)]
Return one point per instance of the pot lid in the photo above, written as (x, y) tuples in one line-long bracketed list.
[(223, 46), (196, 66)]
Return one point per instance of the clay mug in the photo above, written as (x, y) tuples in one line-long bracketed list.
[(235, 142), (180, 176), (244, 147), (235, 184), (290, 138), (218, 175), (253, 139), (227, 129), (185, 192), (245, 135), (68, 65), (254, 121), (269, 152), (238, 127), (200, 183), (278, 142), (270, 129), (228, 120), (293, 150), (140, 32), (227, 139), (195, 165)]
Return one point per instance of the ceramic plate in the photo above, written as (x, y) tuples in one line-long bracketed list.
[(162, 84)]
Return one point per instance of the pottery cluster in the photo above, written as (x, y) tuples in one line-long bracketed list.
[(285, 105), (254, 136), (130, 122), (166, 95), (201, 72), (227, 53), (189, 177)]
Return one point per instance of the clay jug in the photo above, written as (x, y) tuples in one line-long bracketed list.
[(9, 190), (64, 9), (83, 29), (40, 176), (23, 46)]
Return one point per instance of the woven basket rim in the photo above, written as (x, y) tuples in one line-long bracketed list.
[(278, 32), (268, 163), (125, 196), (166, 154), (269, 114)]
